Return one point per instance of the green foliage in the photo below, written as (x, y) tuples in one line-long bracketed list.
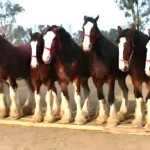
[(20, 35), (8, 12), (139, 10)]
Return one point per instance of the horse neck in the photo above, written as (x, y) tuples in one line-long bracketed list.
[(103, 46), (140, 43)]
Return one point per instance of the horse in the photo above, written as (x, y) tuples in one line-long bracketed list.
[(40, 73), (134, 58), (14, 65), (103, 57), (71, 65), (149, 32)]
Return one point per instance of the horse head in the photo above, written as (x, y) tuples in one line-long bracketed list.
[(90, 33), (125, 41), (51, 43)]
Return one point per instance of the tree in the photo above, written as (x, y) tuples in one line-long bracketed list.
[(139, 10), (78, 37), (20, 35), (8, 12)]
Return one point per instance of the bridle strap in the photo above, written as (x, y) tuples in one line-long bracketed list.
[(92, 39), (129, 61), (47, 48)]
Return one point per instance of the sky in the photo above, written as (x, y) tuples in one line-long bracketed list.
[(70, 13)]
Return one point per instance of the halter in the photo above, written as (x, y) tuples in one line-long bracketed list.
[(129, 61), (55, 48), (92, 39)]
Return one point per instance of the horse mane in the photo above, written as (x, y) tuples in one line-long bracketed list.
[(107, 50)]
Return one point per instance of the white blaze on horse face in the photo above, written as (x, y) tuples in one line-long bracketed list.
[(86, 40), (122, 64), (48, 39), (147, 63), (34, 61)]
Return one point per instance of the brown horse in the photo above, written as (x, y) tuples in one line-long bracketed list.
[(40, 73), (14, 64), (71, 65), (103, 57), (134, 56)]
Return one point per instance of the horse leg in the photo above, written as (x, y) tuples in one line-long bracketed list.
[(102, 110), (124, 106), (113, 119), (147, 118), (15, 111), (37, 116), (49, 117), (86, 90), (138, 115), (65, 106), (56, 103), (3, 104), (28, 106), (79, 119)]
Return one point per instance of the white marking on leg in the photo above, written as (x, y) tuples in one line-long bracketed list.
[(85, 108), (15, 104), (122, 64), (86, 40), (48, 39), (34, 61), (2, 101), (139, 108), (148, 113), (79, 119), (49, 115), (147, 63), (66, 117), (112, 110), (102, 112), (124, 104), (37, 103), (55, 103)]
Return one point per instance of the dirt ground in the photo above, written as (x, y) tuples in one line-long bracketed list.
[(36, 138)]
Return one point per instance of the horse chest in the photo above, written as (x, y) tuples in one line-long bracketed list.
[(99, 70)]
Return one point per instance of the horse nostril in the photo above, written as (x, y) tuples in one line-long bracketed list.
[(126, 69), (90, 45)]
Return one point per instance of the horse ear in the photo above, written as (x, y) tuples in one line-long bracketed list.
[(149, 32), (30, 32), (85, 17), (96, 18), (119, 30)]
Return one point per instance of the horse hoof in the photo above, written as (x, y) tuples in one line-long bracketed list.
[(138, 123), (27, 110), (49, 119), (56, 112), (121, 116), (65, 119), (3, 113), (80, 120), (15, 114), (112, 121), (101, 119), (85, 114), (38, 117)]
